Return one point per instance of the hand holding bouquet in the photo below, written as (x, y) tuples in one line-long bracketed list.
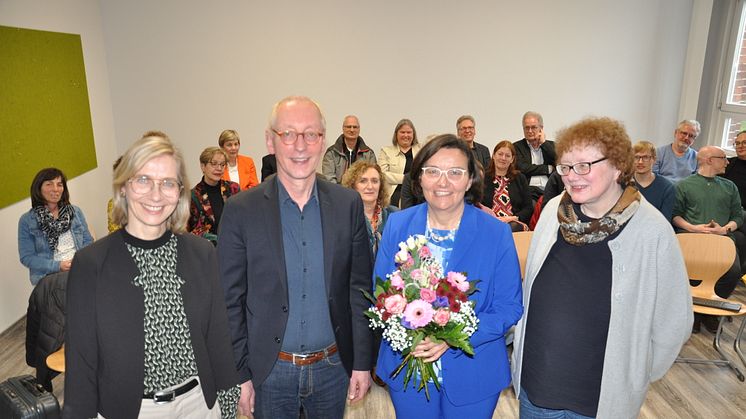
[(417, 301)]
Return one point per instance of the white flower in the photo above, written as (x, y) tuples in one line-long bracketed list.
[(411, 244)]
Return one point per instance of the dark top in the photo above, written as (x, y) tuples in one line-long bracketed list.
[(396, 195), (269, 166), (408, 197), (216, 202), (482, 154), (567, 325), (554, 187), (105, 337), (523, 158), (736, 173), (662, 194), (519, 193), (308, 328)]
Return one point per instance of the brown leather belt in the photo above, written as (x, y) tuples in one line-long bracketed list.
[(308, 359)]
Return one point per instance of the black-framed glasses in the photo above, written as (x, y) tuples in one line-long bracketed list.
[(643, 158), (582, 168), (168, 187), (453, 175), (531, 128), (289, 136), (351, 126)]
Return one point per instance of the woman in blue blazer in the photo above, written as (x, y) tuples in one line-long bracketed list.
[(465, 239)]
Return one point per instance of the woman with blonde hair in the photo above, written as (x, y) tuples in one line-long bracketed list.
[(396, 159), (147, 332), (240, 168)]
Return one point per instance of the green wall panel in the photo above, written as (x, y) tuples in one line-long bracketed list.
[(45, 118)]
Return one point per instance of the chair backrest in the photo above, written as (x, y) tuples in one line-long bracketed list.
[(522, 240), (707, 258)]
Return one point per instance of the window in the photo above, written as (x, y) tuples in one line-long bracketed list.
[(733, 101)]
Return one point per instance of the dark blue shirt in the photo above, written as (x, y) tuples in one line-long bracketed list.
[(309, 327)]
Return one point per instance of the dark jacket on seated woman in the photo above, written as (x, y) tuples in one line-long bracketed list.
[(45, 325)]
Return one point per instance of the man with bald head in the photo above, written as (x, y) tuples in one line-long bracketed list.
[(348, 149), (678, 160), (294, 255), (709, 204)]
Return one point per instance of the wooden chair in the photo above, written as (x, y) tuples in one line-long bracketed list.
[(522, 240), (56, 360), (707, 258)]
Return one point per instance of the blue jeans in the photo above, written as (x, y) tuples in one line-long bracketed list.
[(321, 388), (529, 410)]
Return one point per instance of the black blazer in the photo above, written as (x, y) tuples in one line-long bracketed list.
[(269, 166), (252, 269), (519, 193), (105, 340), (523, 158)]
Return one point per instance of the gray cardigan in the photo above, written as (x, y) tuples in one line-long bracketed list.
[(651, 307)]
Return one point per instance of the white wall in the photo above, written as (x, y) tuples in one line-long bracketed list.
[(89, 191), (193, 69)]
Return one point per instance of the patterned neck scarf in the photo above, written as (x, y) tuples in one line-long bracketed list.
[(501, 205), (52, 227), (579, 233), (374, 221)]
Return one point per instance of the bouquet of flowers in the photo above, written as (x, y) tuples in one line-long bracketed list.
[(418, 300)]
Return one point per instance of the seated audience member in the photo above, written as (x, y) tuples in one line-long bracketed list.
[(554, 187), (110, 224), (53, 230), (658, 190), (366, 178), (240, 169), (269, 166), (147, 333), (607, 304), (506, 189), (736, 169), (396, 160), (535, 155), (348, 149), (48, 236), (209, 195), (707, 203), (466, 129), (678, 160)]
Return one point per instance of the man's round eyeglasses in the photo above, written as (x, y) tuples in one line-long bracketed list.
[(168, 187), (289, 136), (453, 175), (582, 168)]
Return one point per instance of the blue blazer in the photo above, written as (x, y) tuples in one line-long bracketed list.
[(483, 249)]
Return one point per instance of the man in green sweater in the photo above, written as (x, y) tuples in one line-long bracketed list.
[(709, 204)]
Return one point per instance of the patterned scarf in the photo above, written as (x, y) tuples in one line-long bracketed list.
[(579, 233), (501, 205), (52, 227), (374, 221)]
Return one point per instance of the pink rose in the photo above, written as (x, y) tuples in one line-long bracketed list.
[(397, 281), (395, 304), (418, 313), (427, 294), (441, 317), (458, 280), (424, 252)]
